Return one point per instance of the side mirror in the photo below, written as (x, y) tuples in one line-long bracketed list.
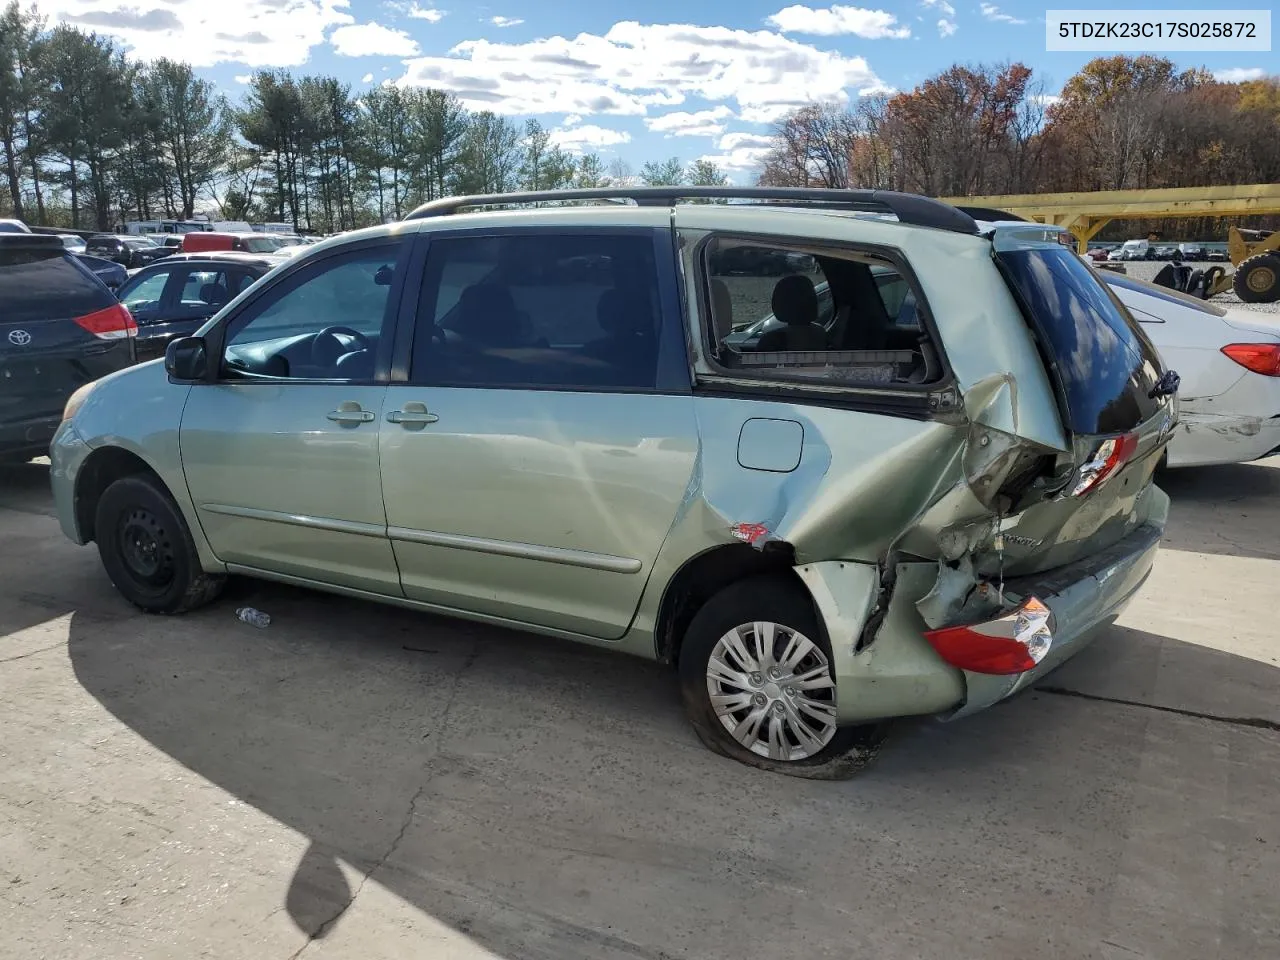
[(384, 276), (185, 359)]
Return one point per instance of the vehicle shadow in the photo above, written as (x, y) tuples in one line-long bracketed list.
[(548, 800), (1233, 509)]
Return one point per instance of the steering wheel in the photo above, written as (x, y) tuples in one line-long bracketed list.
[(326, 348)]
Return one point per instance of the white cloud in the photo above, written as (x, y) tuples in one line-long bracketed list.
[(944, 8), (243, 77), (1239, 74), (367, 78), (371, 40), (700, 123), (429, 14), (572, 120), (506, 21), (868, 24), (1045, 99), (258, 33), (579, 138), (946, 27), (738, 139), (741, 158), (636, 66), (992, 12)]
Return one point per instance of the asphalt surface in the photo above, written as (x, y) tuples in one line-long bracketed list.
[(357, 781)]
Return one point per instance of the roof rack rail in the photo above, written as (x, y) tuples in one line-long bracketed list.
[(907, 207)]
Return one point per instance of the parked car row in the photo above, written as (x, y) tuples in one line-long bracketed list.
[(1145, 250)]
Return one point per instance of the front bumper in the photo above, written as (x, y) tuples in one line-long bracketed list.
[(67, 454)]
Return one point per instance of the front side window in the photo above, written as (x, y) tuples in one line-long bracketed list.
[(325, 323), (835, 316), (570, 311)]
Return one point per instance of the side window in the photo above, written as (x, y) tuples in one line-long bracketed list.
[(202, 289), (833, 315), (570, 311), (325, 323), (146, 295)]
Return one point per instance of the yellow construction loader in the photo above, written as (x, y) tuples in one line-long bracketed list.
[(1256, 256)]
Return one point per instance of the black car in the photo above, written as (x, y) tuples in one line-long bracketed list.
[(175, 296), (60, 328), (128, 251)]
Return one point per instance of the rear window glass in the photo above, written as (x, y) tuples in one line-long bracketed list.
[(1164, 293), (1103, 360), (45, 285)]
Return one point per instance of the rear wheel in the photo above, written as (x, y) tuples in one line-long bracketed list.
[(147, 549), (1257, 279), (756, 677)]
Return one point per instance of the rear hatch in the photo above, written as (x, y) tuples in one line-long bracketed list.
[(1024, 508), (60, 328)]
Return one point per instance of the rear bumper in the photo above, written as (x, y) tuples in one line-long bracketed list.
[(30, 434), (1083, 597)]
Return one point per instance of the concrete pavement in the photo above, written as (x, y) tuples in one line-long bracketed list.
[(359, 781)]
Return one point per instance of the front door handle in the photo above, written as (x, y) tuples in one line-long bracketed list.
[(350, 413), (414, 414)]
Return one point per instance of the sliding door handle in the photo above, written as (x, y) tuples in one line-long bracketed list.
[(413, 414)]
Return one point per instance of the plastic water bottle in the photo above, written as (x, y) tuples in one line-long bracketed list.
[(255, 618)]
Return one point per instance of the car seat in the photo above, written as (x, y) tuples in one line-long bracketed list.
[(795, 303)]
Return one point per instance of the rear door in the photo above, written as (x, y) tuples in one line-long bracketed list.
[(59, 329), (542, 439)]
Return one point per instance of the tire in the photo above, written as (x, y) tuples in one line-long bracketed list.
[(767, 599), (1257, 280), (147, 549)]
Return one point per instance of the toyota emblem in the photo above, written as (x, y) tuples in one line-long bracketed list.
[(19, 338)]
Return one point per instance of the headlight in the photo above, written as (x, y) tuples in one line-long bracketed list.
[(76, 401)]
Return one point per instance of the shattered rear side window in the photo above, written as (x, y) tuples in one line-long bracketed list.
[(792, 314)]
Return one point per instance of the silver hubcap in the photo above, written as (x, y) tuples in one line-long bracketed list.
[(771, 687)]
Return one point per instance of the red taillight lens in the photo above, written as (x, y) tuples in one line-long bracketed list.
[(1263, 358), (1014, 643), (110, 323), (1110, 456)]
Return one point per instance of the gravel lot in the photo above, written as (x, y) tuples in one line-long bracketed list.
[(358, 781)]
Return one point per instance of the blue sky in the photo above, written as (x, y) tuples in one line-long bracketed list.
[(640, 80)]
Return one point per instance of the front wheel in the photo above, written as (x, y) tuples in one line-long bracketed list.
[(756, 677), (147, 549)]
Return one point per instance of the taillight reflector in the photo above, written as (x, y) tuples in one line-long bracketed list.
[(110, 323), (1110, 456), (1263, 358), (1014, 643)]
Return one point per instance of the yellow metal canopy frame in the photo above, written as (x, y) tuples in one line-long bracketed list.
[(1084, 214)]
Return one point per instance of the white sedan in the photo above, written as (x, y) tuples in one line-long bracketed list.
[(1229, 361)]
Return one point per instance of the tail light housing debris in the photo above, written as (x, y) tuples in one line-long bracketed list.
[(1014, 643), (1263, 358), (110, 323), (1106, 461)]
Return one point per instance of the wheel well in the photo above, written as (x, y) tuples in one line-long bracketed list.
[(102, 468), (703, 577)]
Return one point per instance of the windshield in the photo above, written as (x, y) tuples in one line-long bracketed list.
[(1162, 293)]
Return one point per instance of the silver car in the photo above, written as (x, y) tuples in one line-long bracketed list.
[(540, 417)]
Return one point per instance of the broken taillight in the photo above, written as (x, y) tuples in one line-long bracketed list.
[(1014, 643), (110, 323), (1109, 457), (1263, 358)]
